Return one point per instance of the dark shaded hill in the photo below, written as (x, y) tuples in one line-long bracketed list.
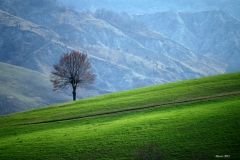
[(23, 89)]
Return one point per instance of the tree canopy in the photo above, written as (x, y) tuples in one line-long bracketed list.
[(73, 69)]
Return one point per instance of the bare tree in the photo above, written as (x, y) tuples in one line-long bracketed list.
[(72, 70)]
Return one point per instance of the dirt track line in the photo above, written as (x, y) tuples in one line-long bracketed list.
[(136, 108)]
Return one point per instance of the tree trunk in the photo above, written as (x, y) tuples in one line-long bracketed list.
[(74, 93)]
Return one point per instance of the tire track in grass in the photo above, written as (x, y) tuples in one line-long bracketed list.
[(136, 108)]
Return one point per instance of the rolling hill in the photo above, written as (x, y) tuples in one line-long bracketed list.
[(23, 89), (191, 119)]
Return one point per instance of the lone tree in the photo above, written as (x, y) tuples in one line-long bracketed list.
[(72, 70)]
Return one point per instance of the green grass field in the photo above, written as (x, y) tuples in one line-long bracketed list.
[(192, 119)]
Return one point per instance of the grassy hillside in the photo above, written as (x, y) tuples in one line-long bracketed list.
[(192, 119), (23, 89)]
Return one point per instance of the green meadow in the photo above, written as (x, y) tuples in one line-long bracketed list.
[(191, 119)]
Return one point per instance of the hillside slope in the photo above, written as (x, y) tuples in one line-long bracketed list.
[(23, 89), (200, 129), (154, 95)]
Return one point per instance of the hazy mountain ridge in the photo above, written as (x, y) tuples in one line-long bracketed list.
[(215, 34), (88, 30), (126, 51), (153, 41), (153, 6)]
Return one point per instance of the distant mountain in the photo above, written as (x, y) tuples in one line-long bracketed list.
[(215, 34), (153, 6), (126, 50)]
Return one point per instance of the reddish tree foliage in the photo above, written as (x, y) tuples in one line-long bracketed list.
[(72, 70)]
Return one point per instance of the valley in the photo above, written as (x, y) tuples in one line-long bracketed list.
[(127, 49)]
